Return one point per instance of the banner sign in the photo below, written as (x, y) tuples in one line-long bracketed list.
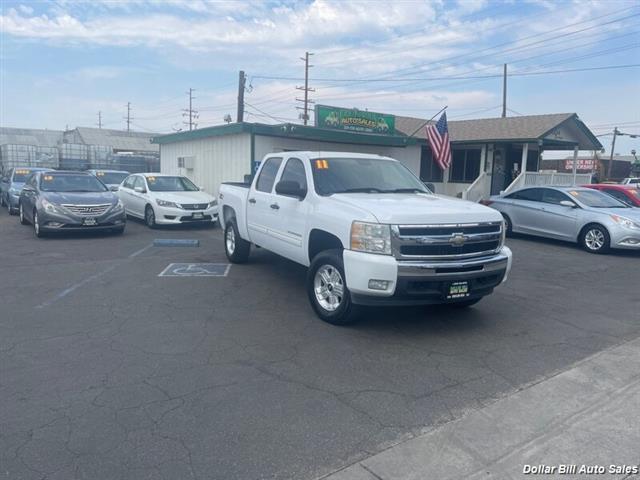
[(583, 164), (354, 120)]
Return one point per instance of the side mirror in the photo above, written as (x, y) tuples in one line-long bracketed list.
[(568, 203), (139, 190), (430, 186), (201, 188), (291, 189)]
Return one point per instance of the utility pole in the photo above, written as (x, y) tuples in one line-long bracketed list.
[(504, 91), (190, 112), (242, 80), (613, 147), (128, 117), (99, 119), (305, 89)]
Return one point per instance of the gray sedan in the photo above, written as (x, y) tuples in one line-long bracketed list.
[(593, 219), (67, 201)]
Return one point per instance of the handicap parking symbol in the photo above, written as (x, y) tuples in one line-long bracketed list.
[(196, 270)]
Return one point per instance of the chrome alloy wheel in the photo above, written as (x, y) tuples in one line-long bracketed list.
[(230, 240), (328, 287), (594, 239), (21, 214), (36, 223)]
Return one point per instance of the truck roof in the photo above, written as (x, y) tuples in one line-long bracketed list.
[(311, 154)]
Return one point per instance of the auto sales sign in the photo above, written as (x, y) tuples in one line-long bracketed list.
[(354, 120)]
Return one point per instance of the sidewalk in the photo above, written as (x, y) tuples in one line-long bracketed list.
[(588, 415)]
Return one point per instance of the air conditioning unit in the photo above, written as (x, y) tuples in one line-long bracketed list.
[(186, 162)]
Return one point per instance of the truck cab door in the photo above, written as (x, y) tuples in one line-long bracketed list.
[(290, 227), (262, 209)]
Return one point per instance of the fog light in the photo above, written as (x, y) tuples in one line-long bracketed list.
[(378, 284), (54, 224)]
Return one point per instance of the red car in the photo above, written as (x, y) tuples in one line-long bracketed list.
[(627, 194)]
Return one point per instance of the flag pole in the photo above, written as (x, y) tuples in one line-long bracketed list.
[(427, 122)]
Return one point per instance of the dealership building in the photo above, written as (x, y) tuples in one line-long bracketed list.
[(488, 155)]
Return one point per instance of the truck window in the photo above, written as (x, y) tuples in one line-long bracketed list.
[(294, 172), (268, 175)]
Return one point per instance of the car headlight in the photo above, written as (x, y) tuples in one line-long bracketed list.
[(48, 206), (625, 222), (164, 203), (371, 238), (503, 234), (213, 204)]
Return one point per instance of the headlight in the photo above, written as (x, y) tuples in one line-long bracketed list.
[(371, 238), (48, 206), (625, 222), (503, 235), (213, 204), (164, 203)]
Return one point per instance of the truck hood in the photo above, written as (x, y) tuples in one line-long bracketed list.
[(411, 208)]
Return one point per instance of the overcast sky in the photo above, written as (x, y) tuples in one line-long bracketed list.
[(63, 61)]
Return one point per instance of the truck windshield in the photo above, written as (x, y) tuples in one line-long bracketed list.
[(363, 175)]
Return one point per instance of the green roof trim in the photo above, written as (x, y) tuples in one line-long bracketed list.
[(290, 130)]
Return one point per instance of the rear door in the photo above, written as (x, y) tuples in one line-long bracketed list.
[(557, 220), (289, 229), (525, 210), (262, 208)]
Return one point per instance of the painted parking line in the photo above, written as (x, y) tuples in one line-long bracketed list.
[(169, 242), (196, 270)]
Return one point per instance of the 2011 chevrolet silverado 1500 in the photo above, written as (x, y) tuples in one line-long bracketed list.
[(369, 230)]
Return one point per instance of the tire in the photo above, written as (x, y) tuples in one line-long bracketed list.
[(36, 225), (464, 303), (150, 217), (594, 238), (23, 220), (508, 225), (327, 289), (235, 247)]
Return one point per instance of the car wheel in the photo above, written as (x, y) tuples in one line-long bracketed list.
[(595, 239), (464, 303), (327, 289), (150, 217), (508, 225), (23, 220), (36, 225), (235, 247)]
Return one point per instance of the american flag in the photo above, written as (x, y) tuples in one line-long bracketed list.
[(438, 136)]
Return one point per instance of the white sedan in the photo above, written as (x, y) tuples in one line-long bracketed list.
[(161, 199)]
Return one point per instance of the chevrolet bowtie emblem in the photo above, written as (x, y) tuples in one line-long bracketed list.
[(457, 239)]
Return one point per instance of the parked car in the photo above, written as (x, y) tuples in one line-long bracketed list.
[(58, 201), (595, 220), (631, 181), (11, 185), (369, 230), (111, 178), (162, 199), (627, 194)]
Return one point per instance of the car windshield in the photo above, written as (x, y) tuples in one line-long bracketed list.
[(21, 175), (71, 183), (171, 184), (111, 177), (596, 199), (363, 175)]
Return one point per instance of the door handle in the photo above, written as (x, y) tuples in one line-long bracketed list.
[(252, 200), (275, 206)]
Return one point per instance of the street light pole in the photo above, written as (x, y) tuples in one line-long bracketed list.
[(613, 147)]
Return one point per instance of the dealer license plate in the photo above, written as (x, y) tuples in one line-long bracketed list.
[(198, 215), (458, 290), (89, 222)]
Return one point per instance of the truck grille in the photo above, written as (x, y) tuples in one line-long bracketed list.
[(88, 210), (194, 206), (411, 242)]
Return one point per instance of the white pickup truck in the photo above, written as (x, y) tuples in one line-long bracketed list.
[(369, 230)]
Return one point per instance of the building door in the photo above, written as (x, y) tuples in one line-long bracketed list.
[(499, 173)]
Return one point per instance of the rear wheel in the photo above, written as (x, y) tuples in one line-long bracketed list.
[(595, 239), (327, 289), (23, 220), (235, 247), (150, 217)]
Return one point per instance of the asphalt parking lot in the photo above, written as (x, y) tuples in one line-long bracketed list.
[(109, 371)]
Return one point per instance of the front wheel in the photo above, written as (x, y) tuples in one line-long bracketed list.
[(36, 225), (327, 289), (595, 239), (23, 220), (235, 247), (150, 217)]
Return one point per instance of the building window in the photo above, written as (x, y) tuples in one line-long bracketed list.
[(429, 169), (465, 166)]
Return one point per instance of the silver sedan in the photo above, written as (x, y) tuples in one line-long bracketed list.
[(593, 219)]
